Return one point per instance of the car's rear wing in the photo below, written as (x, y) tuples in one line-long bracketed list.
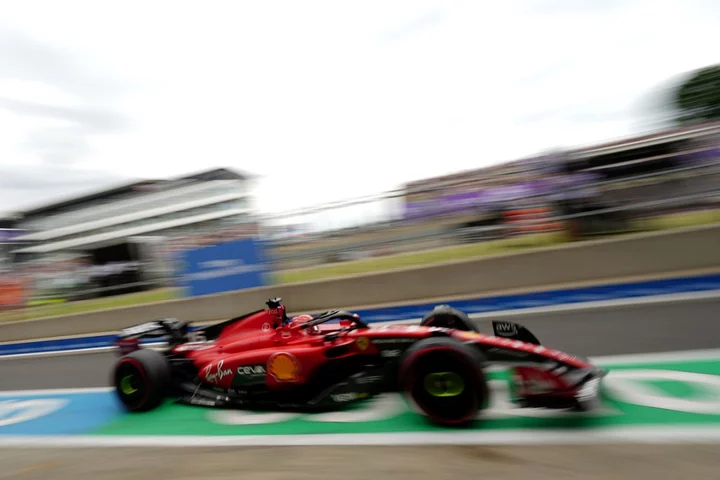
[(171, 330)]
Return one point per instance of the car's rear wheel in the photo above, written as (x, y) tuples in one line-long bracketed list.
[(444, 379), (141, 380)]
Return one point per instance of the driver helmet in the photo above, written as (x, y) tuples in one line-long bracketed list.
[(303, 319)]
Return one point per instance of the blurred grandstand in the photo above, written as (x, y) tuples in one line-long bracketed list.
[(587, 191), (125, 239)]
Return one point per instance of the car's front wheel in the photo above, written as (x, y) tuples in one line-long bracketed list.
[(141, 380), (445, 380)]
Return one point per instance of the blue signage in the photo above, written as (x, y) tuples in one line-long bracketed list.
[(224, 267)]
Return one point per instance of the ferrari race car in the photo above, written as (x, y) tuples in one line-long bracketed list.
[(265, 360)]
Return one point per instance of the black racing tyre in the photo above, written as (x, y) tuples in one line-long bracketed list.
[(445, 316), (444, 379), (141, 380)]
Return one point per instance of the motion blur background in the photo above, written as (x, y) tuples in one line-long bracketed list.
[(322, 139)]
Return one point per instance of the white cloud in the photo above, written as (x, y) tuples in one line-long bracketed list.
[(328, 100)]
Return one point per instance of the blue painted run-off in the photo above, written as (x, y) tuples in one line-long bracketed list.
[(478, 305), (47, 413)]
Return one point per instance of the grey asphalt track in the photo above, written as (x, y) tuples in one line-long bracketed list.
[(616, 462), (617, 330)]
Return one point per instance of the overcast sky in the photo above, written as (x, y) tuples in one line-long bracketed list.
[(323, 100)]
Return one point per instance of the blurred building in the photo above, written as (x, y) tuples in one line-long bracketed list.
[(672, 170), (657, 152), (8, 234), (123, 231)]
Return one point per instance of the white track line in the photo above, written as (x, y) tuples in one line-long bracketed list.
[(55, 391), (601, 304), (80, 351), (681, 356), (607, 435)]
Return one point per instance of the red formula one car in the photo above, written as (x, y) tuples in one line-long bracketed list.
[(265, 360)]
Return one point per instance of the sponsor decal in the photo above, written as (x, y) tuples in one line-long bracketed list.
[(381, 341), (219, 373), (249, 374), (140, 329), (344, 397), (506, 329), (202, 402), (266, 327), (390, 353), (362, 343), (251, 370), (512, 353), (371, 379), (283, 367), (193, 347)]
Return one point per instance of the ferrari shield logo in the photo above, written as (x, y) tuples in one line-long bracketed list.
[(362, 343), (283, 367)]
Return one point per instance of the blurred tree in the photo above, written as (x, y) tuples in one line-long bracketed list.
[(697, 99)]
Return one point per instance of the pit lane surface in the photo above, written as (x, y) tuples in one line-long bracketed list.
[(619, 462), (616, 330)]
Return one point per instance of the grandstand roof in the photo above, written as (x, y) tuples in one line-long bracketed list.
[(7, 221), (650, 139), (217, 174), (89, 197), (463, 174), (135, 186)]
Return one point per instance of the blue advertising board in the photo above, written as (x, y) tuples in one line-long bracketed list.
[(224, 267)]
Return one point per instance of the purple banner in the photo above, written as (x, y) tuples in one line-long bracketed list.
[(709, 156), (479, 200), (8, 235)]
